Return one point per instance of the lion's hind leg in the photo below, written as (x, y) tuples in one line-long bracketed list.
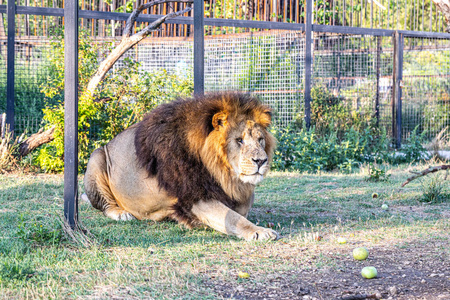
[(97, 188)]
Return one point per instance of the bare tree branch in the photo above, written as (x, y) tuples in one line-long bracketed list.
[(129, 40), (444, 7), (35, 140), (425, 172)]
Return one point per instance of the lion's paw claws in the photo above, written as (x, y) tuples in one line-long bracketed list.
[(264, 234)]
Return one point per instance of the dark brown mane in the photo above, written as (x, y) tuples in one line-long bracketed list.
[(169, 139)]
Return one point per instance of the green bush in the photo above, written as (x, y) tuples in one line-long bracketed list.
[(303, 150), (121, 100), (332, 114)]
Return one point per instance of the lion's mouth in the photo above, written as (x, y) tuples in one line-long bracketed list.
[(254, 178)]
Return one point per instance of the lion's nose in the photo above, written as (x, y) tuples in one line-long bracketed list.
[(259, 162)]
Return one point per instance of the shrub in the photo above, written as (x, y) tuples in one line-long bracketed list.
[(303, 150), (120, 101), (330, 113)]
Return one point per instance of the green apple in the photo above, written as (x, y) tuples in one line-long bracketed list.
[(341, 240), (384, 207), (369, 272), (360, 253)]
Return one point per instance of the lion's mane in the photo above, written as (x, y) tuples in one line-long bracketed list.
[(171, 140)]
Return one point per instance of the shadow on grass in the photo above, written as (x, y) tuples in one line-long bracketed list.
[(289, 204)]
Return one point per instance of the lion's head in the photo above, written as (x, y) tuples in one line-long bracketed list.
[(238, 143)]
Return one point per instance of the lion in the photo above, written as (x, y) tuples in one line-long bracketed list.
[(196, 161)]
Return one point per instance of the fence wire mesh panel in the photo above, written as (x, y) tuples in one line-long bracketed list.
[(31, 71), (357, 71), (426, 86), (417, 15), (268, 63)]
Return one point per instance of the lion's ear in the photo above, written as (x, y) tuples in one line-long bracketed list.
[(219, 120), (265, 118)]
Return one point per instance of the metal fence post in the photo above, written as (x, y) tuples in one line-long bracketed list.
[(71, 113), (308, 62), (397, 89), (11, 9), (199, 49)]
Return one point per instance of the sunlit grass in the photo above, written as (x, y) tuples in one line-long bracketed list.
[(145, 259)]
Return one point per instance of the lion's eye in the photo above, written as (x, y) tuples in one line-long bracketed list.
[(240, 141)]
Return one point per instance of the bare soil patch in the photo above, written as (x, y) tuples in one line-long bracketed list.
[(414, 270)]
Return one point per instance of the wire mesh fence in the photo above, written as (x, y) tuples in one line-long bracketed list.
[(271, 63), (426, 86), (416, 15), (267, 63), (357, 69)]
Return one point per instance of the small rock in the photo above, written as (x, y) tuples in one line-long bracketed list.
[(404, 275), (302, 291), (240, 288), (423, 281), (392, 290), (306, 297), (444, 296), (433, 275)]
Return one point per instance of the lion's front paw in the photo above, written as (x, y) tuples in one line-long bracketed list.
[(263, 234)]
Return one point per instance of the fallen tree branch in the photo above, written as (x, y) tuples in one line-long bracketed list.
[(129, 40), (425, 172), (36, 140), (444, 7)]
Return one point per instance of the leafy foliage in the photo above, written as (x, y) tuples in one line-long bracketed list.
[(340, 139), (377, 174), (120, 101)]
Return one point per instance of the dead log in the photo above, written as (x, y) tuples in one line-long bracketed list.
[(36, 140), (425, 172)]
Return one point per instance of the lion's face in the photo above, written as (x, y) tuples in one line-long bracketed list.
[(246, 151), (238, 145)]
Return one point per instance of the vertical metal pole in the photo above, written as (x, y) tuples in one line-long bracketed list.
[(199, 49), (11, 9), (308, 62), (397, 93), (377, 94), (71, 113)]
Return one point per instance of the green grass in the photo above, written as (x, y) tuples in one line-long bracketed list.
[(145, 259)]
